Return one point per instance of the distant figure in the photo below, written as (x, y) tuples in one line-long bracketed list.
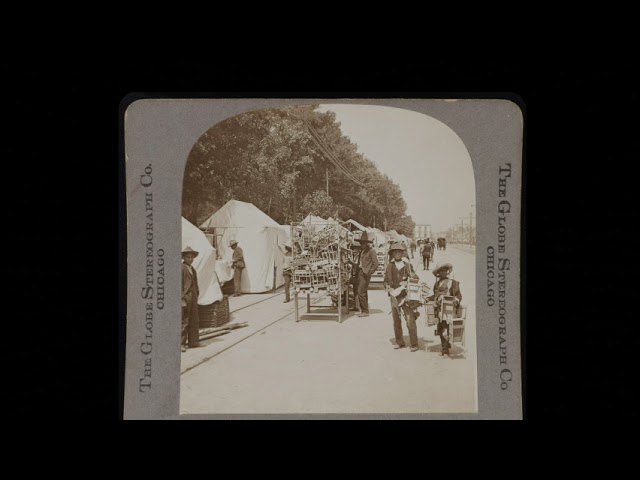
[(288, 271), (399, 271), (433, 248), (237, 263), (367, 264), (412, 246), (445, 286), (426, 251), (190, 292)]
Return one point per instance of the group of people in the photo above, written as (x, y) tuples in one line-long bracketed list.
[(398, 272), (190, 290)]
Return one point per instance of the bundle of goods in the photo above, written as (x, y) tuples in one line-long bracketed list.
[(325, 261)]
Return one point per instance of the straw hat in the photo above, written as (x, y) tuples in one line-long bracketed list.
[(232, 243), (397, 246), (190, 250), (436, 271)]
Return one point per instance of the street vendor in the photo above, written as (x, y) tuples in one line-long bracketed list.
[(398, 271), (238, 265), (444, 286), (367, 264)]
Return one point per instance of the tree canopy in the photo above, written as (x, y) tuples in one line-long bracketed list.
[(277, 159)]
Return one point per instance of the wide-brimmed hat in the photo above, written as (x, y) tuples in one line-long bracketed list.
[(364, 238), (436, 271), (397, 246), (190, 250), (232, 243)]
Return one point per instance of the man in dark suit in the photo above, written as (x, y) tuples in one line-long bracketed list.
[(399, 271), (368, 263), (190, 292), (426, 254), (237, 262), (445, 286)]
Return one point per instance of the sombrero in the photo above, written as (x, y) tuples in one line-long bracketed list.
[(436, 271), (190, 250), (232, 243), (364, 238), (397, 246)]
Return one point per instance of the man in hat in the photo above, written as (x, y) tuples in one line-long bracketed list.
[(444, 286), (425, 250), (190, 292), (237, 263), (398, 271), (367, 264)]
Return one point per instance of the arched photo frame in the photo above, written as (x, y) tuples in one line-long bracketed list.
[(159, 135)]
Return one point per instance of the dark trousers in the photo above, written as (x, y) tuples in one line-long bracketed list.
[(287, 286), (237, 280), (443, 332), (425, 261), (411, 325), (190, 322), (363, 296)]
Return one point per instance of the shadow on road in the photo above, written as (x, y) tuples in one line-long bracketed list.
[(455, 352)]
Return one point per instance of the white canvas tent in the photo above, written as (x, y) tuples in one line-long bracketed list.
[(204, 263), (258, 235), (393, 236), (357, 225), (380, 237), (315, 221)]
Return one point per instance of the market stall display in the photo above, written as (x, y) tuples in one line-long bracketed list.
[(322, 265)]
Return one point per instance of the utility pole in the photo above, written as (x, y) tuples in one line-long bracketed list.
[(462, 233), (471, 227), (327, 174)]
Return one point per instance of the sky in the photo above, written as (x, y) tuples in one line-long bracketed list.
[(421, 154)]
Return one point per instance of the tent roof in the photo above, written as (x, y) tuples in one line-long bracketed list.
[(239, 214), (312, 219), (358, 225), (193, 237)]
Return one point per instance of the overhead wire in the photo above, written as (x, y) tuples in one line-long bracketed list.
[(326, 152)]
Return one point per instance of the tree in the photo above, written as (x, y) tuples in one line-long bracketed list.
[(277, 159), (318, 203)]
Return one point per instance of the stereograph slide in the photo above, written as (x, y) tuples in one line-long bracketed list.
[(322, 258)]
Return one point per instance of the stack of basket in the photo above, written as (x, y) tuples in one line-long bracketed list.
[(214, 315)]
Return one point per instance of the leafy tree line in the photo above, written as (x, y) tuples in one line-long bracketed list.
[(277, 160)]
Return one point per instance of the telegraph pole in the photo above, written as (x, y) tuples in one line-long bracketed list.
[(462, 236), (327, 174), (471, 227)]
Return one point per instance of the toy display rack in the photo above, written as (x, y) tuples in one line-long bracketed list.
[(321, 267)]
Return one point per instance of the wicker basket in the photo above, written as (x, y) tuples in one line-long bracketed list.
[(214, 315)]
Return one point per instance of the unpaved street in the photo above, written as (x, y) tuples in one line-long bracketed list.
[(320, 366)]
